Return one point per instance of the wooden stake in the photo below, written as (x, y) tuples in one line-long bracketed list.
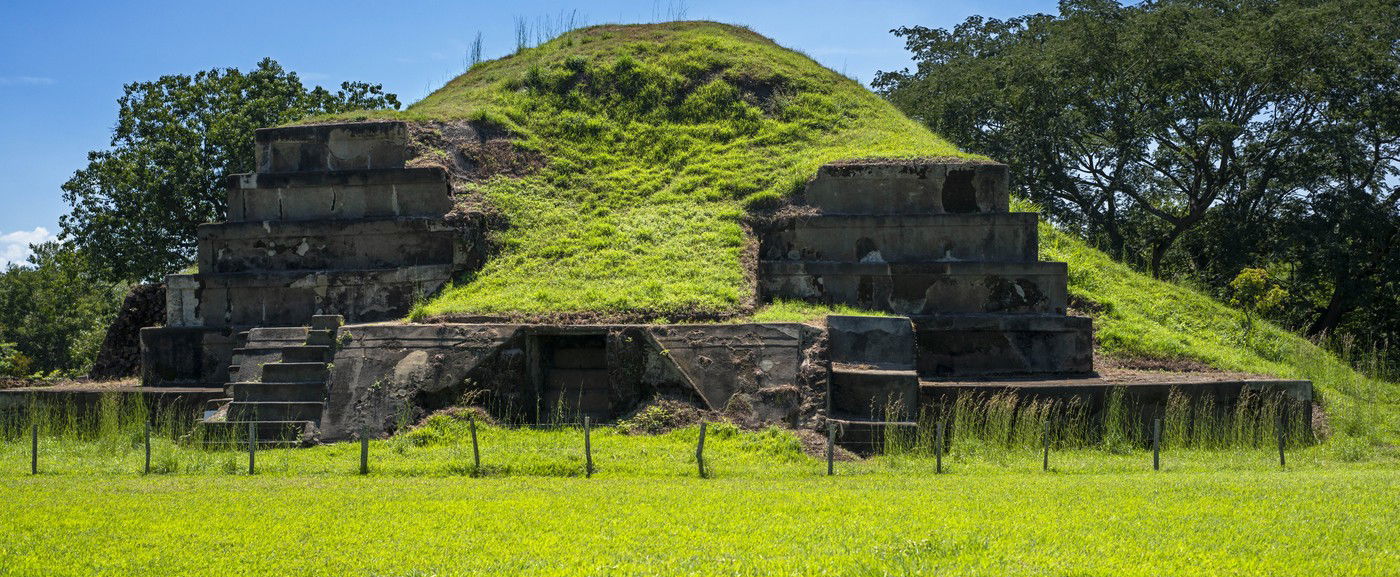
[(252, 447), (1156, 444), (830, 448), (1282, 463), (476, 452), (364, 450), (148, 447), (1045, 440), (34, 449), (587, 450), (938, 448), (700, 450)]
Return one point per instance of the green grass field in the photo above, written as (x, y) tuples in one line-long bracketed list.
[(767, 509)]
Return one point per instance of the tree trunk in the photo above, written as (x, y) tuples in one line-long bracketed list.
[(1332, 315)]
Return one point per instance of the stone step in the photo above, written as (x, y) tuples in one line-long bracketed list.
[(877, 342), (341, 195), (263, 345), (327, 322), (312, 391), (285, 372), (980, 345), (307, 354), (1009, 237), (275, 410), (921, 288), (325, 244), (879, 394), (274, 337), (909, 187), (351, 145), (270, 433), (292, 298), (320, 338)]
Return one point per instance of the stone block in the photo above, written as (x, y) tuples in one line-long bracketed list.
[(874, 394), (325, 244), (909, 188), (292, 298), (349, 194), (344, 146), (379, 370), (976, 345), (876, 342), (1010, 237), (921, 288), (721, 361), (185, 356), (182, 301)]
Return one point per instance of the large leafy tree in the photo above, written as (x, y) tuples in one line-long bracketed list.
[(136, 205), (1194, 138)]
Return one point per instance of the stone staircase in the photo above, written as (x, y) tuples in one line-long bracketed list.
[(332, 222), (936, 243), (278, 386)]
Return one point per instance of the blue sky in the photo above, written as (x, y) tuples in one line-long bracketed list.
[(63, 64)]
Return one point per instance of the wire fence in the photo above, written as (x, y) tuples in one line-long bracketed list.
[(966, 425)]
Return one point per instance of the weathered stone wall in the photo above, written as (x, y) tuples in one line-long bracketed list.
[(385, 375)]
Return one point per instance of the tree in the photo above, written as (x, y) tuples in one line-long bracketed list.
[(55, 311), (1194, 138), (135, 206)]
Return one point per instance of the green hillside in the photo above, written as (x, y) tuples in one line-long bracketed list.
[(656, 140)]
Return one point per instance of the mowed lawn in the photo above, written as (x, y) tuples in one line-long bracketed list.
[(1336, 521)]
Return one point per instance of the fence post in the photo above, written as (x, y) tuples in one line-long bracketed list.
[(700, 450), (1282, 464), (148, 447), (938, 449), (1157, 444), (476, 452), (1045, 440), (587, 450), (830, 448), (34, 449), (252, 447), (364, 450)]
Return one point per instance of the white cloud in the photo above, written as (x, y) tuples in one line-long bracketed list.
[(14, 246), (25, 81)]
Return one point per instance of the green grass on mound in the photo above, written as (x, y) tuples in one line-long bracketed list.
[(657, 138)]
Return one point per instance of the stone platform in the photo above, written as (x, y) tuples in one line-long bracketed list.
[(293, 314)]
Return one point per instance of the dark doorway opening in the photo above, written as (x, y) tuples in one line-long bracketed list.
[(573, 377), (959, 195)]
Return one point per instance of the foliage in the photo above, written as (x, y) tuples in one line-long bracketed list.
[(1137, 316), (12, 362), (1254, 293), (1194, 138), (135, 207), (55, 312), (657, 138)]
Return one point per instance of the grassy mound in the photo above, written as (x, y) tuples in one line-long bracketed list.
[(658, 138)]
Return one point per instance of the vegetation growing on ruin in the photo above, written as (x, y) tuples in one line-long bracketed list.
[(660, 137)]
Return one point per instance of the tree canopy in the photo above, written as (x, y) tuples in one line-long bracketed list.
[(1194, 138)]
